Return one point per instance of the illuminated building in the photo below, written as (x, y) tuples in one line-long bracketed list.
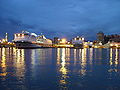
[(78, 42), (88, 44), (63, 41)]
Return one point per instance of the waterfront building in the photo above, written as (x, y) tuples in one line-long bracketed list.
[(63, 41), (100, 37), (114, 45), (56, 40), (88, 44), (78, 42), (112, 38)]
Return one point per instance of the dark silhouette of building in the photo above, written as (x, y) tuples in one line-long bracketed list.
[(113, 38), (100, 37), (56, 40), (107, 38)]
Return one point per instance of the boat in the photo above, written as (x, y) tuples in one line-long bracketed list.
[(26, 40)]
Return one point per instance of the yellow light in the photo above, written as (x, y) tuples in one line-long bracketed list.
[(22, 35), (95, 46), (18, 35), (91, 42), (116, 45), (63, 40), (111, 44)]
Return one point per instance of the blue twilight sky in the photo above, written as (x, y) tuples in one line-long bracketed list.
[(63, 18)]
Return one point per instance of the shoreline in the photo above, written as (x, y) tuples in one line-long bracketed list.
[(52, 47)]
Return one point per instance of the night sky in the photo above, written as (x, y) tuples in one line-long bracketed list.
[(63, 18)]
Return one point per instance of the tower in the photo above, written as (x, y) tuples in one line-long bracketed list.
[(100, 37), (56, 40)]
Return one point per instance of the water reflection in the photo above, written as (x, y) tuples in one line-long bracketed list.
[(62, 60), (116, 57), (3, 62), (40, 57), (91, 55), (114, 60), (111, 56), (75, 58), (83, 62), (44, 56), (61, 68), (19, 62)]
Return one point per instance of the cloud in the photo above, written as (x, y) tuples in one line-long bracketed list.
[(64, 18), (13, 26)]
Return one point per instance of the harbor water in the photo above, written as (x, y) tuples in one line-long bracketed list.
[(59, 69)]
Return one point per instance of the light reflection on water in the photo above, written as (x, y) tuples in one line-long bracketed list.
[(3, 64), (59, 69)]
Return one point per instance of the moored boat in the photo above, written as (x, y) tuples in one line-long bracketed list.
[(30, 40)]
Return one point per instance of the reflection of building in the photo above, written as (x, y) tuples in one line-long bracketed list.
[(114, 60), (3, 62), (83, 62)]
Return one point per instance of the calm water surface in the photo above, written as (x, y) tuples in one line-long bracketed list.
[(59, 69)]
